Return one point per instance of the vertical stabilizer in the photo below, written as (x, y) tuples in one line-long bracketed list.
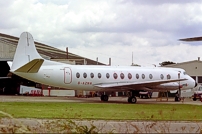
[(25, 51)]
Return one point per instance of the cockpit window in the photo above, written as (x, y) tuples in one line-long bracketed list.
[(184, 73)]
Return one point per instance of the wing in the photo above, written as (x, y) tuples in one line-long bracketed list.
[(138, 85), (5, 78)]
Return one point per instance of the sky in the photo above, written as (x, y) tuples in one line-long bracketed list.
[(145, 32)]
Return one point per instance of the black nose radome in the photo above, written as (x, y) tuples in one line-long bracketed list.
[(196, 84)]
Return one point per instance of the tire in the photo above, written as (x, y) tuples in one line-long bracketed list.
[(194, 99), (101, 97), (129, 100), (105, 98), (133, 99)]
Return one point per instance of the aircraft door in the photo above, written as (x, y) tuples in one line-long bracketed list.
[(179, 73), (67, 75)]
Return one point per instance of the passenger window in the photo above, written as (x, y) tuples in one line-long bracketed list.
[(161, 76), (107, 75), (143, 76), (129, 75), (137, 76), (150, 76), (77, 75), (168, 76), (99, 75), (115, 76), (122, 76), (84, 75), (92, 75)]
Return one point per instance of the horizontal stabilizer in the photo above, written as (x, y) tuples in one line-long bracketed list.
[(31, 67), (4, 78)]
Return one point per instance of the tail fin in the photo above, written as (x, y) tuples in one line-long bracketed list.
[(25, 51)]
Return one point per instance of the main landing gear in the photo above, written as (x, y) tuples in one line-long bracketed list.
[(104, 97), (132, 96), (131, 99)]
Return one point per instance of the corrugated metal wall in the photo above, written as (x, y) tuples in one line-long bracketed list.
[(7, 51)]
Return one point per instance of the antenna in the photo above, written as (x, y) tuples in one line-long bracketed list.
[(132, 58)]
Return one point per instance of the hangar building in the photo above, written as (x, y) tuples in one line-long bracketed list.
[(192, 68)]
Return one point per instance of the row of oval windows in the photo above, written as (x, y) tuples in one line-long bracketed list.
[(122, 76)]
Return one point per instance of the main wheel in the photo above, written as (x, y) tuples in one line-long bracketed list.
[(101, 97), (132, 99), (104, 98), (129, 99), (194, 99)]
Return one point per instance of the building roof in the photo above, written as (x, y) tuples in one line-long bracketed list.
[(184, 63), (48, 51)]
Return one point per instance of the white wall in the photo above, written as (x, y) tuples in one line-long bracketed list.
[(58, 92), (28, 90)]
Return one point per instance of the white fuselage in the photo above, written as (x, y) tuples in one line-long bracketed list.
[(66, 76)]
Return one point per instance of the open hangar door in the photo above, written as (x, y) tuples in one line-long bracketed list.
[(10, 83), (6, 84)]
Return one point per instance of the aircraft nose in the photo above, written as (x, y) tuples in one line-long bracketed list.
[(196, 84)]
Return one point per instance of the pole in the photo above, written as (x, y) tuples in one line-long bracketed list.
[(132, 58), (179, 91)]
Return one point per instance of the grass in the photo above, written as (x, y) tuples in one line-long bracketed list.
[(63, 113), (59, 110)]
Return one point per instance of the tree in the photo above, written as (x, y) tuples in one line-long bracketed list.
[(166, 63), (135, 65)]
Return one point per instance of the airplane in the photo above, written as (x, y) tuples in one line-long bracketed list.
[(191, 39), (27, 63)]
